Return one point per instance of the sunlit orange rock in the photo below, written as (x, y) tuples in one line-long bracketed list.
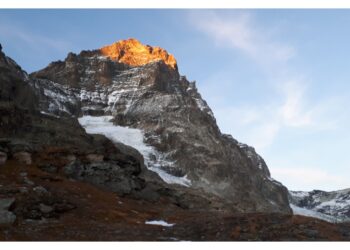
[(134, 53)]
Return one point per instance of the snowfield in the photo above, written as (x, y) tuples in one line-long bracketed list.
[(159, 223), (133, 137)]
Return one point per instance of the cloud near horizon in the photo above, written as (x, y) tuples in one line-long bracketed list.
[(310, 178)]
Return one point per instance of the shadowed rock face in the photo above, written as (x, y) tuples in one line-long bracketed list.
[(176, 121), (30, 136), (14, 88)]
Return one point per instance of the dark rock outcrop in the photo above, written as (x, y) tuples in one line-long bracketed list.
[(110, 175), (6, 216), (3, 157), (30, 136)]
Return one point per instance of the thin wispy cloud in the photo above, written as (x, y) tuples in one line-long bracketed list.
[(239, 32), (260, 124), (33, 40), (298, 112), (290, 107), (292, 110)]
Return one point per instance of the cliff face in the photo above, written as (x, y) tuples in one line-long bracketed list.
[(140, 87), (29, 135)]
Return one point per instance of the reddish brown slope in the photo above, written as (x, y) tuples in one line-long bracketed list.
[(89, 213)]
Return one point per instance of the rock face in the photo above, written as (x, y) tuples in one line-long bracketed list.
[(23, 157), (6, 203), (331, 206), (14, 88), (134, 53), (141, 88), (29, 135), (6, 217), (3, 158), (106, 174)]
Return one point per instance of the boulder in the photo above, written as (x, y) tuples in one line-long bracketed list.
[(7, 218), (19, 145), (63, 207), (23, 157), (3, 158), (49, 168), (71, 158), (95, 158), (40, 190), (6, 203), (45, 208), (149, 193)]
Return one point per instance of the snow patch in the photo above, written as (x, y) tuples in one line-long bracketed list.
[(159, 223), (242, 145), (97, 96), (335, 204), (309, 213), (299, 194), (133, 137), (49, 114), (203, 107), (274, 181)]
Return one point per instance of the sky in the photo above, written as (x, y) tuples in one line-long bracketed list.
[(277, 80)]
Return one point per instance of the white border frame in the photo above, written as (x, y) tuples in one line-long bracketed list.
[(159, 4)]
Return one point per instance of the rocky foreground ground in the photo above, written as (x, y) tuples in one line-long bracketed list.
[(51, 207)]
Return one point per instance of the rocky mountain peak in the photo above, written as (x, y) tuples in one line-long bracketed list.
[(134, 53), (131, 89)]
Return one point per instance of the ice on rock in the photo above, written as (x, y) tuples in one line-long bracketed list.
[(133, 137)]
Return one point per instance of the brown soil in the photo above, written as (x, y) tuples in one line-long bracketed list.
[(102, 215)]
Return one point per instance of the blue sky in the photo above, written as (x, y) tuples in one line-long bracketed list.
[(275, 79)]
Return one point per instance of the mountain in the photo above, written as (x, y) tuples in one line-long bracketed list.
[(139, 86), (29, 138), (120, 143), (330, 206)]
